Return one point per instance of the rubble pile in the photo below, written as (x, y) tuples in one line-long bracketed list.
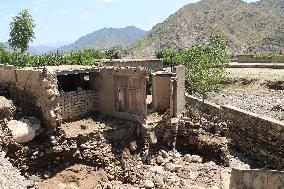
[(187, 154)]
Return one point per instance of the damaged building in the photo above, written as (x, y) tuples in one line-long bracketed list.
[(58, 94)]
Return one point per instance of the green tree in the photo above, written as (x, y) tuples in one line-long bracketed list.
[(169, 57), (206, 65), (113, 53), (22, 31)]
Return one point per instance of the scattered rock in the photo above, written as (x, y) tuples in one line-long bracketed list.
[(159, 181), (196, 159), (194, 175), (133, 146), (196, 187), (164, 154), (188, 158), (149, 184), (172, 167), (159, 160)]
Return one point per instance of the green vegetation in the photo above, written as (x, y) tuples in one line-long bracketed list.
[(262, 56), (113, 53), (205, 64), (84, 57), (22, 31), (169, 57)]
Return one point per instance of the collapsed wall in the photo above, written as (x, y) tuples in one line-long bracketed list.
[(66, 93), (32, 89)]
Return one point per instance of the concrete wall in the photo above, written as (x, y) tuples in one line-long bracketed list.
[(77, 104), (256, 179), (154, 64), (260, 137), (107, 92), (250, 59)]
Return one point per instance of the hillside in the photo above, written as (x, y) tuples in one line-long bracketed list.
[(250, 27), (106, 38)]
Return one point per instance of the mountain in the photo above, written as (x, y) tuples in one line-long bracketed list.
[(274, 6), (107, 38), (37, 49), (249, 27)]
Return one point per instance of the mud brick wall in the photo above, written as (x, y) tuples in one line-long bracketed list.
[(33, 91), (256, 179), (77, 104)]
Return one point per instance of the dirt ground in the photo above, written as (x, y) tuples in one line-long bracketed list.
[(73, 177)]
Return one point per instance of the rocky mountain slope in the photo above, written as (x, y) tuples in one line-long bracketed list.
[(107, 38), (250, 27)]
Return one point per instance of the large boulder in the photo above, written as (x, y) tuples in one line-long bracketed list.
[(33, 122), (21, 132)]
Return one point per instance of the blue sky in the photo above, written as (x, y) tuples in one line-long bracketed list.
[(65, 21)]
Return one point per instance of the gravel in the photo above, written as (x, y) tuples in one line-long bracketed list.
[(10, 177), (254, 98)]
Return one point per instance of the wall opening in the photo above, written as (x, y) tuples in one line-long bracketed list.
[(73, 82)]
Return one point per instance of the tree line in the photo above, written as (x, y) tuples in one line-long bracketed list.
[(22, 33), (205, 64)]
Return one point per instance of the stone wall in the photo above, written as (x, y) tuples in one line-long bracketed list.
[(256, 179), (260, 137), (77, 104), (206, 107)]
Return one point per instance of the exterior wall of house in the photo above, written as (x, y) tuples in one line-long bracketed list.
[(122, 93)]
